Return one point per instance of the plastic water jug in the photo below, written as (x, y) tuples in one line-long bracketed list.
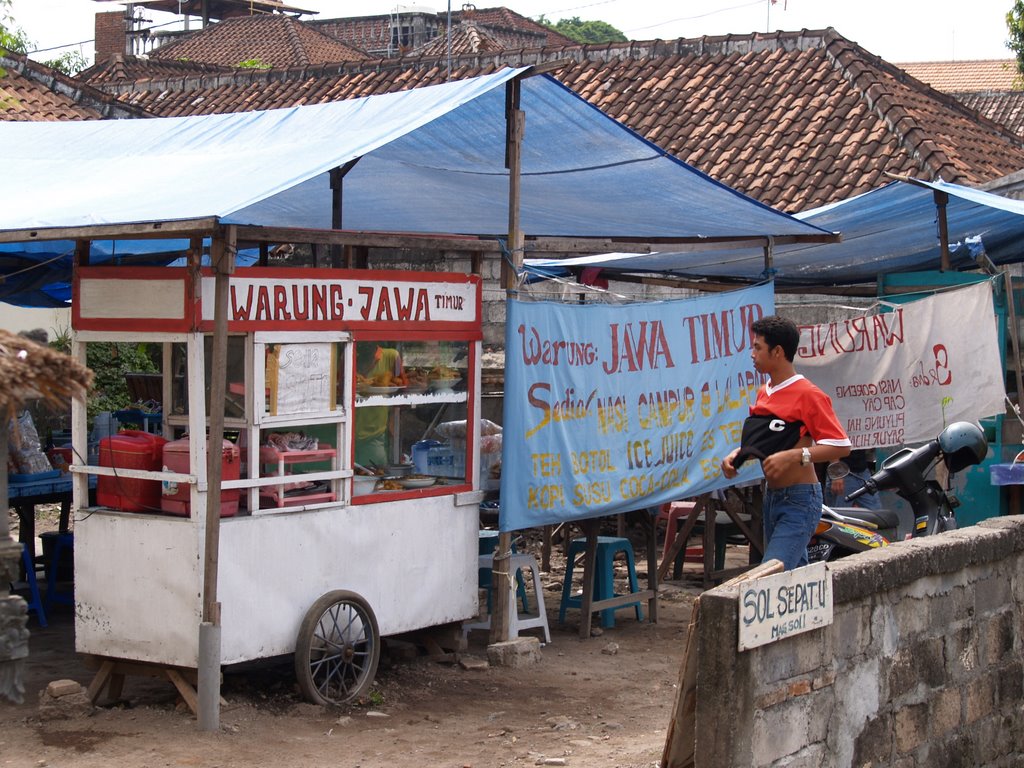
[(420, 451), (104, 425)]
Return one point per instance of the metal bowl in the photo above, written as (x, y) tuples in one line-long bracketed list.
[(363, 484)]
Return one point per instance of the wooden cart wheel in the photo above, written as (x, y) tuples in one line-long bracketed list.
[(338, 648)]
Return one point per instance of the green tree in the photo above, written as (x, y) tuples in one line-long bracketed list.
[(69, 62), (1015, 26), (109, 363), (11, 37), (589, 31), (15, 39)]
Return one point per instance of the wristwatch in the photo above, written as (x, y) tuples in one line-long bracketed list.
[(805, 457)]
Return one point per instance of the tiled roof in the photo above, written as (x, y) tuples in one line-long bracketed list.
[(367, 33), (373, 33), (1006, 107), (122, 68), (279, 41), (965, 76), (509, 27), (31, 91), (466, 37), (990, 86), (794, 119)]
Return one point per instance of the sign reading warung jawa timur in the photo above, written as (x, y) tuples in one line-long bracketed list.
[(615, 408), (902, 375)]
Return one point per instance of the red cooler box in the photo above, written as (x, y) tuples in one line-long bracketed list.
[(130, 450), (176, 498)]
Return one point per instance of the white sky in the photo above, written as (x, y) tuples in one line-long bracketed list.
[(896, 30)]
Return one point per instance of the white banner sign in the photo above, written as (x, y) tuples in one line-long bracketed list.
[(900, 376), (785, 604)]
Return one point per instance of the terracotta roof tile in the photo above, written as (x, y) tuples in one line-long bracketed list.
[(30, 91), (507, 19), (121, 68), (278, 41), (466, 37), (796, 119), (965, 76), (375, 34)]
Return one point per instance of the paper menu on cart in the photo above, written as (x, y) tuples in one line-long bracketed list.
[(300, 378)]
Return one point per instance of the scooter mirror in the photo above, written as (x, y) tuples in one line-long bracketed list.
[(837, 470)]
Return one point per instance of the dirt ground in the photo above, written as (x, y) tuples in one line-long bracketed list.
[(603, 701)]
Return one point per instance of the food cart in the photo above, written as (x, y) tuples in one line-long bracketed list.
[(310, 559)]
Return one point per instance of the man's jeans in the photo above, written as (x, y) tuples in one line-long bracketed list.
[(790, 516)]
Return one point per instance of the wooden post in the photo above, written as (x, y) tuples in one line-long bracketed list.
[(337, 208), (222, 258), (941, 200), (501, 579), (651, 536), (545, 548), (1011, 310), (589, 561), (5, 526), (769, 256), (79, 414)]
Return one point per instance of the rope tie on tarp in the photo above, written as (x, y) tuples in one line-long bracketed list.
[(506, 254)]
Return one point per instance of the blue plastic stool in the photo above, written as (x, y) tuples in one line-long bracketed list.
[(63, 547), (34, 603), (604, 577), (488, 543)]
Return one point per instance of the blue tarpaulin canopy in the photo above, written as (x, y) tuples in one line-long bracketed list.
[(429, 160), (891, 229)]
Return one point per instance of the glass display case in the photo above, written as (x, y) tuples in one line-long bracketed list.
[(332, 376), (406, 395)]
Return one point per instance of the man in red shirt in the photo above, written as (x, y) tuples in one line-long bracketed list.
[(791, 427)]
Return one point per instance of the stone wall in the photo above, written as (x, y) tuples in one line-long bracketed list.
[(923, 665)]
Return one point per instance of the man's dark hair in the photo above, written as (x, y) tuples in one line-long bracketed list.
[(778, 332)]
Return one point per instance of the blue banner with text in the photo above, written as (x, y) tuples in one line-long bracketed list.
[(614, 408)]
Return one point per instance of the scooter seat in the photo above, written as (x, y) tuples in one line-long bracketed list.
[(880, 518)]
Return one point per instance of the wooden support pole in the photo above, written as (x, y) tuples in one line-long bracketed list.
[(589, 562), (222, 258), (651, 536), (941, 201), (337, 208), (501, 579), (5, 525), (1011, 313)]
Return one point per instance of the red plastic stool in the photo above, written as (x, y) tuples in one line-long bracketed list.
[(671, 513)]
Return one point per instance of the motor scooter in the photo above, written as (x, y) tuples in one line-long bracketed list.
[(849, 530), (846, 531), (960, 445)]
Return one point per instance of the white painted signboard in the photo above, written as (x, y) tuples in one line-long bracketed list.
[(785, 604), (900, 377)]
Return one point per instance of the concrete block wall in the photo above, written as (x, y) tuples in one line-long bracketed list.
[(923, 665)]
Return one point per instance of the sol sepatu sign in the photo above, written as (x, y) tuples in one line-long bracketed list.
[(785, 604)]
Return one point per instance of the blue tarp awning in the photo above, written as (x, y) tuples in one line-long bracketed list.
[(429, 160), (891, 229)]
